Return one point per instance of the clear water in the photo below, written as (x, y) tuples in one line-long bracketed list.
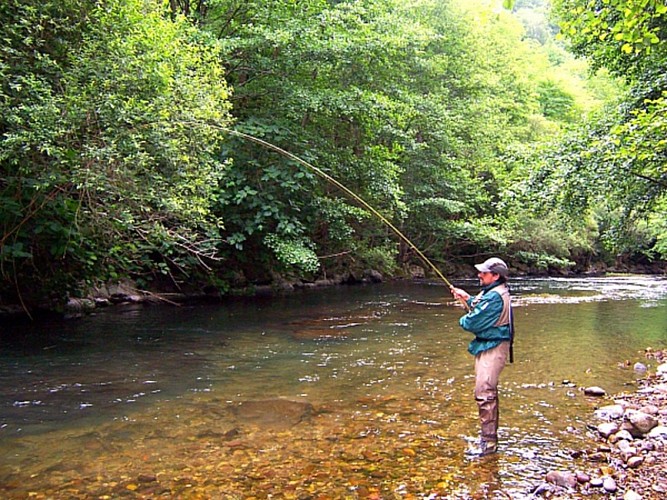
[(145, 401)]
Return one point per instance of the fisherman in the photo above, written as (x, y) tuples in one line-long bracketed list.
[(490, 320)]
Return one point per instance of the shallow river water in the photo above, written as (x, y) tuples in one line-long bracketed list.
[(347, 392)]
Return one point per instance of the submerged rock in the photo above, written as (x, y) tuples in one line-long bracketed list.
[(562, 478), (274, 412)]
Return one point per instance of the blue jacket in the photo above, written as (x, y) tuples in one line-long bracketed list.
[(488, 319)]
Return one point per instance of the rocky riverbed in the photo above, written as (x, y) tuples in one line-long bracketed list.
[(631, 434)]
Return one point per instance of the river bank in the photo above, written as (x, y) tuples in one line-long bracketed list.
[(127, 291), (630, 430)]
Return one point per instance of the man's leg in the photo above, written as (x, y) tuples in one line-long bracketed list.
[(488, 366)]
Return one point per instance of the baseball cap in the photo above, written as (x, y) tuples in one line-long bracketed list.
[(493, 265)]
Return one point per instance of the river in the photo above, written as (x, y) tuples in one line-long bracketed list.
[(345, 392)]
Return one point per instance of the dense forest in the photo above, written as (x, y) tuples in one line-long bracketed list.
[(530, 129)]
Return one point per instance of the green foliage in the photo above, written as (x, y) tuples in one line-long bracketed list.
[(657, 225), (542, 261), (622, 35), (107, 166), (555, 102), (116, 159), (293, 253), (616, 165), (380, 258)]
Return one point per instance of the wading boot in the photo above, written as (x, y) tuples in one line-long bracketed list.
[(483, 448)]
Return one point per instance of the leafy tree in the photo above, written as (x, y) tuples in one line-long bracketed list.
[(105, 167), (625, 157)]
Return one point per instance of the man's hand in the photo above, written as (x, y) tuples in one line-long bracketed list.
[(460, 294)]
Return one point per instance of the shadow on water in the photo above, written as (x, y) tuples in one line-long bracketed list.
[(356, 392)]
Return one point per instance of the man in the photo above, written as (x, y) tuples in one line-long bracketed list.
[(490, 320)]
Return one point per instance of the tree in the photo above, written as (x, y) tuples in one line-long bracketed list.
[(626, 155), (107, 164)]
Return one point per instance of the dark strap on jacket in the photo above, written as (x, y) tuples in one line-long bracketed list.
[(511, 335)]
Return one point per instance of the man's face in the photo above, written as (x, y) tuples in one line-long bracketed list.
[(487, 278)]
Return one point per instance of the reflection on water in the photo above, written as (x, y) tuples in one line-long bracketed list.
[(345, 392)]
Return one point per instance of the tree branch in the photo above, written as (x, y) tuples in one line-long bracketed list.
[(651, 179)]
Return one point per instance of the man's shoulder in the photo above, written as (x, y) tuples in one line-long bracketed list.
[(492, 296), (498, 290)]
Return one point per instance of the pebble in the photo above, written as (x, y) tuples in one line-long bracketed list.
[(642, 422), (597, 482), (594, 391), (625, 435), (661, 388), (634, 462), (607, 429), (659, 431), (659, 488), (632, 495), (597, 457), (623, 444), (647, 446), (609, 484), (650, 410)]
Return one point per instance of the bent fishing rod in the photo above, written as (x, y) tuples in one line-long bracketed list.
[(350, 193)]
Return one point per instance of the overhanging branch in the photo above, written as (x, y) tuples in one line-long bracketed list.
[(650, 179)]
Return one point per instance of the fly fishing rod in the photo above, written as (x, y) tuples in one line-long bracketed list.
[(350, 193)]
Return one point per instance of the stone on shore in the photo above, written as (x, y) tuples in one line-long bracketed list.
[(607, 429), (640, 367), (635, 431), (632, 495), (594, 391), (609, 484), (659, 431), (609, 412), (641, 422)]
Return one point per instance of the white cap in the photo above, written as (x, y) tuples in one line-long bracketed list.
[(493, 265)]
